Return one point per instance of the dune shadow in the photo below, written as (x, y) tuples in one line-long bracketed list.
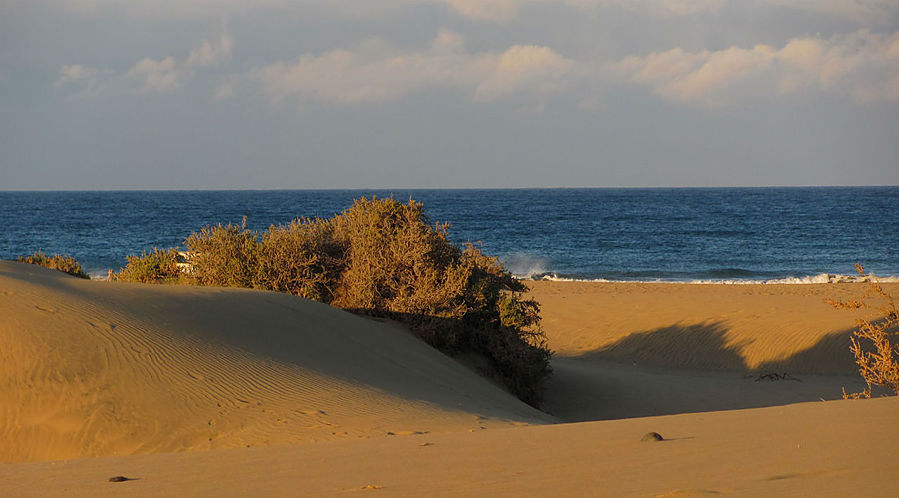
[(706, 346), (686, 368), (700, 345)]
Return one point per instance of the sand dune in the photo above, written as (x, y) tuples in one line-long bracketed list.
[(636, 350), (335, 404), (838, 448), (768, 327), (97, 368)]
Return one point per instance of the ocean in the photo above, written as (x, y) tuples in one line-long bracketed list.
[(683, 235)]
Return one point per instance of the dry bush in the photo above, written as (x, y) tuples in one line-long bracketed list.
[(873, 345), (63, 263), (224, 255), (397, 262), (385, 258), (302, 259), (458, 300), (154, 267)]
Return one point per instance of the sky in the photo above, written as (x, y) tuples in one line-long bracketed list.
[(231, 94)]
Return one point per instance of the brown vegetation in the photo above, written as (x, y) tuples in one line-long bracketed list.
[(873, 344), (384, 258), (63, 263), (157, 266)]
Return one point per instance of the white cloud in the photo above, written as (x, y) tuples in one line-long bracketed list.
[(376, 72), (165, 75), (76, 73), (526, 68), (159, 76), (88, 80), (147, 75), (863, 66)]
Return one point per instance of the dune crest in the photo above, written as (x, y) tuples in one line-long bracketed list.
[(97, 368)]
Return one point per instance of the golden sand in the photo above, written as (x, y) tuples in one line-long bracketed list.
[(329, 403)]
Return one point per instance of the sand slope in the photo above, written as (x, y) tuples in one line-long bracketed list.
[(703, 326), (334, 404), (838, 448), (635, 349), (96, 368)]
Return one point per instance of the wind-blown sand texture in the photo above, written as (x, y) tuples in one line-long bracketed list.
[(332, 404), (92, 368)]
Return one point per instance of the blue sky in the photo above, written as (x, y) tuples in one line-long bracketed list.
[(101, 94)]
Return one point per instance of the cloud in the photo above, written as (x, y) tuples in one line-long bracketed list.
[(505, 10), (147, 75), (165, 75), (89, 80), (862, 65), (859, 10), (526, 68), (376, 72)]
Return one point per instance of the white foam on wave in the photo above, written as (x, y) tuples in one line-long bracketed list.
[(822, 278), (525, 266)]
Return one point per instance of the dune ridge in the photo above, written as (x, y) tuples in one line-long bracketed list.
[(99, 368)]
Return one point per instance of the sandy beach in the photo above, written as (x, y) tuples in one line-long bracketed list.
[(193, 391)]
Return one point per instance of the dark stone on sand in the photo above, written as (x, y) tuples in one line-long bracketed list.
[(652, 436), (119, 479)]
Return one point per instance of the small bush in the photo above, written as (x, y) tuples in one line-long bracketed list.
[(65, 264), (875, 350), (224, 256), (157, 266), (397, 262), (302, 259), (385, 258)]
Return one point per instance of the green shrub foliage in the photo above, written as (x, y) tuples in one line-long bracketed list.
[(384, 258), (65, 264)]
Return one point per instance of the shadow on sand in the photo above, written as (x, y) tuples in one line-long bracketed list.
[(693, 368)]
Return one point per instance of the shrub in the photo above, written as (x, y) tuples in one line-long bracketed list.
[(157, 266), (224, 256), (456, 299), (302, 259), (397, 262), (384, 258), (875, 350), (65, 264)]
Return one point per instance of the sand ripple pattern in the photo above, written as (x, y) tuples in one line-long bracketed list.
[(97, 368)]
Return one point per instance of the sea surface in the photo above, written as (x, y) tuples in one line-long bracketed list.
[(694, 234)]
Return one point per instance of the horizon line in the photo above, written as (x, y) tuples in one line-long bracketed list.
[(360, 189)]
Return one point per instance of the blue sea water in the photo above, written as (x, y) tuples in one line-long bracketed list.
[(695, 234)]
